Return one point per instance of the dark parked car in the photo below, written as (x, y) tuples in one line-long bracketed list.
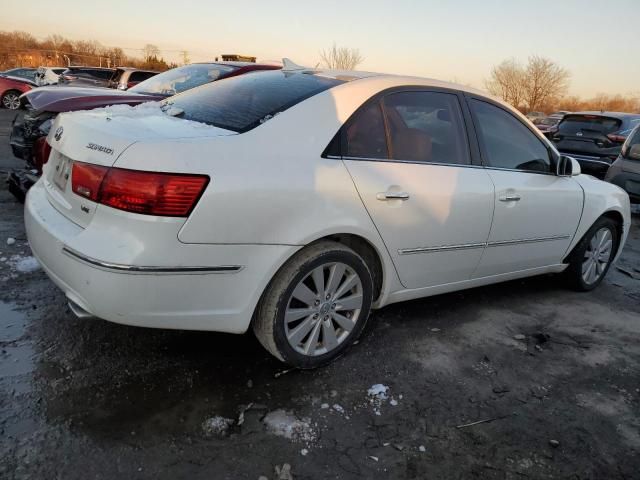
[(625, 171), (28, 135), (87, 76), (125, 78), (548, 125), (11, 89), (23, 72), (594, 138)]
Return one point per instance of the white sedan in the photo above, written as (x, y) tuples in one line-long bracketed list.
[(292, 202)]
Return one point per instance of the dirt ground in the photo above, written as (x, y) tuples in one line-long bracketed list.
[(524, 379)]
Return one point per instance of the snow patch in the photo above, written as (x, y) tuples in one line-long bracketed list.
[(24, 264), (379, 391), (11, 241), (286, 424), (115, 113), (216, 425), (378, 394)]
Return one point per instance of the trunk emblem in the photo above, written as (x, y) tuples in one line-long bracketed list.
[(579, 134), (58, 134)]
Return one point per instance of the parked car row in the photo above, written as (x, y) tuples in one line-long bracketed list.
[(293, 201), (16, 81)]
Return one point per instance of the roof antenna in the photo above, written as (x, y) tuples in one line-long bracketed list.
[(289, 66)]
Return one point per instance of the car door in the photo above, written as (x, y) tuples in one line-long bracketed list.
[(408, 155), (536, 211)]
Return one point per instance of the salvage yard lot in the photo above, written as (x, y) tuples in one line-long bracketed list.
[(524, 379)]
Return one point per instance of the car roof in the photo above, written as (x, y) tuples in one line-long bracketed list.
[(232, 64), (619, 115), (396, 80), (134, 69), (89, 67)]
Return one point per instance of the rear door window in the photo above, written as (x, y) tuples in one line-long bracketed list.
[(365, 135), (246, 101), (426, 127), (507, 143)]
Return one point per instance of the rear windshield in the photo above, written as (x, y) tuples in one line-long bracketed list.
[(244, 102), (584, 124), (178, 80)]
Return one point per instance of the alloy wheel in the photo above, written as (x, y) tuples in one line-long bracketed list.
[(11, 101), (597, 256), (323, 309)]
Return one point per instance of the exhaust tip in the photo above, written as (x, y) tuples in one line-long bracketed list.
[(80, 312)]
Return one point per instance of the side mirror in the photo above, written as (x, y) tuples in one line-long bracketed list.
[(568, 167), (634, 152)]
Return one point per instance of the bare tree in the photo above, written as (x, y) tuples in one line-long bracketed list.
[(541, 83), (508, 82), (341, 58), (150, 51), (546, 81)]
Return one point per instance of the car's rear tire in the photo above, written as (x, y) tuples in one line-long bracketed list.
[(591, 258), (11, 99), (316, 306)]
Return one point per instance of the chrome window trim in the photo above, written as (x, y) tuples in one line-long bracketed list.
[(461, 165), (470, 246), (121, 268), (392, 160)]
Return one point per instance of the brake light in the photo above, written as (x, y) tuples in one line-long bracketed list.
[(41, 152), (86, 179), (148, 193), (616, 138)]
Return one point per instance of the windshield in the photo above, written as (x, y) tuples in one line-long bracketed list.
[(244, 102), (181, 79)]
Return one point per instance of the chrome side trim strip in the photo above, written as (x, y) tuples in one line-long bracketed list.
[(444, 248), (118, 267), (469, 246), (527, 240)]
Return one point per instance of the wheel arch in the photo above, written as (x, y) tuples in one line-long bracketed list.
[(617, 217)]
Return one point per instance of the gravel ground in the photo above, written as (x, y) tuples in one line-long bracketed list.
[(524, 379)]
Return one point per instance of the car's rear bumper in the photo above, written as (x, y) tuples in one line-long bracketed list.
[(217, 293)]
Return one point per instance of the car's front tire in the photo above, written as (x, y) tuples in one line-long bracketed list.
[(590, 260), (316, 306)]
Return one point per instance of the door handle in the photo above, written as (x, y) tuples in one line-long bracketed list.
[(384, 196), (510, 198)]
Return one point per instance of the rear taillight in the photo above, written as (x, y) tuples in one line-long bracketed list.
[(41, 152), (148, 193), (86, 180), (616, 138)]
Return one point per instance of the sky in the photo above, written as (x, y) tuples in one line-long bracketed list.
[(455, 40)]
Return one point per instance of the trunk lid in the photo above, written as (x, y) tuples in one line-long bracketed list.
[(99, 137)]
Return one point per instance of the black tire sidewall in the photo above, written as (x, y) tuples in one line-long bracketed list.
[(577, 259), (297, 359)]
